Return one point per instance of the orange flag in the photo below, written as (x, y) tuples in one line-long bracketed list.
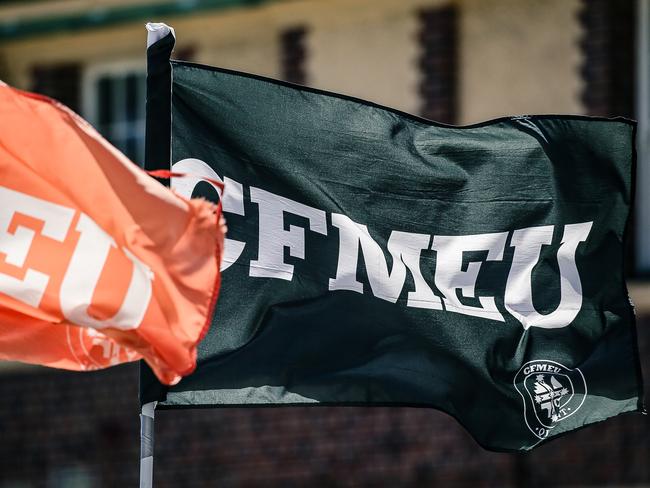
[(99, 263)]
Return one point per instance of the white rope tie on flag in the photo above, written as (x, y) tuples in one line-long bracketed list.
[(156, 31)]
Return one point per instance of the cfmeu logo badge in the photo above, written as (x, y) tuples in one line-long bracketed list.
[(551, 393)]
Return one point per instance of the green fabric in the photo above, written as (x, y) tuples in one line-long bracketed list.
[(281, 341)]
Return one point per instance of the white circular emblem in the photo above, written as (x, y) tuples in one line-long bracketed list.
[(551, 392)]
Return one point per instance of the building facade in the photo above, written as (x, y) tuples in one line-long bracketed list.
[(453, 61)]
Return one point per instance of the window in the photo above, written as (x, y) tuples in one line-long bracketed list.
[(608, 90), (114, 102), (293, 53), (59, 81), (438, 63)]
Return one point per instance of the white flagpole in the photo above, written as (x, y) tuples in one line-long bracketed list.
[(156, 153), (147, 444)]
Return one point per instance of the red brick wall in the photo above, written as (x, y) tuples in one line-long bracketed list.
[(52, 420)]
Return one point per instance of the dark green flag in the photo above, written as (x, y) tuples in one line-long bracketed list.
[(377, 258)]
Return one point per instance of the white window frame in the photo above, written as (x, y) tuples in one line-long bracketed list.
[(91, 75), (643, 139)]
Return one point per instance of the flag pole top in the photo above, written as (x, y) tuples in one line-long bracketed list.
[(156, 31)]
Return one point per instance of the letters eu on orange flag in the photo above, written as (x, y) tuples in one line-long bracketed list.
[(377, 258), (99, 263)]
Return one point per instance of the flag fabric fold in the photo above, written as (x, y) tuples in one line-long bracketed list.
[(99, 263), (377, 258)]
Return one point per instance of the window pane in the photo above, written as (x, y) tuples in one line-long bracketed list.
[(120, 106), (131, 88), (104, 101)]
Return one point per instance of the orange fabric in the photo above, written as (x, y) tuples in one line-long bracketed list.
[(70, 203)]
